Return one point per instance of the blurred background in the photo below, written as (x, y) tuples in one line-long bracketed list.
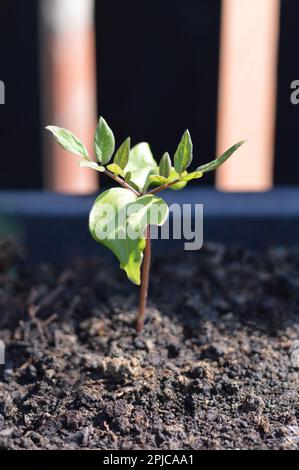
[(152, 68)]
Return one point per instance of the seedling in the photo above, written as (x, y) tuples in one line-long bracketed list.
[(121, 217)]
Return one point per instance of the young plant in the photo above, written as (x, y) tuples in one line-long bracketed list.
[(120, 218)]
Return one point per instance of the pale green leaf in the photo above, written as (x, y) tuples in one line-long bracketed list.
[(184, 154), (147, 210), (173, 177), (141, 164), (180, 184), (192, 176), (115, 169), (104, 142), (213, 165), (122, 155), (157, 179), (68, 141), (165, 165), (92, 165), (108, 215), (118, 219)]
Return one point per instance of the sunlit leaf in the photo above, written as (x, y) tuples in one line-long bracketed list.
[(122, 155), (165, 165), (147, 210), (92, 165), (173, 177), (157, 179), (68, 141), (104, 142), (118, 219), (192, 176), (141, 164), (115, 169), (107, 224), (213, 165), (184, 154)]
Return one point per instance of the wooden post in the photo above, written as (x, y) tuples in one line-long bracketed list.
[(247, 93), (69, 88)]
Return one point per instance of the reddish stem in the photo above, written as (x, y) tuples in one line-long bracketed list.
[(144, 282), (122, 182)]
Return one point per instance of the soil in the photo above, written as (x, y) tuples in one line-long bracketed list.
[(216, 367)]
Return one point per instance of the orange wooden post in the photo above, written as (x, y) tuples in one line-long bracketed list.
[(247, 93), (69, 88)]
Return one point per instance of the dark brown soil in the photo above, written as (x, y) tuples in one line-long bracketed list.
[(215, 368)]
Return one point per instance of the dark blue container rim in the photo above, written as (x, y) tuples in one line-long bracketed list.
[(55, 226)]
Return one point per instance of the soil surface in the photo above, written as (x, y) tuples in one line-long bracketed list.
[(217, 366)]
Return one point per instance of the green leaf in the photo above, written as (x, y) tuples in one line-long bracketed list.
[(157, 179), (141, 164), (173, 177), (116, 216), (107, 224), (192, 176), (184, 154), (68, 141), (128, 176), (219, 161), (122, 155), (115, 169), (104, 142), (92, 165), (178, 186), (165, 165), (148, 210)]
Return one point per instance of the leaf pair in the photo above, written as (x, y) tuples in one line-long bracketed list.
[(69, 142), (173, 177), (182, 158), (104, 146)]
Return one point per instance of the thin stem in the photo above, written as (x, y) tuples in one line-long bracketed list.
[(144, 282), (122, 182), (164, 186)]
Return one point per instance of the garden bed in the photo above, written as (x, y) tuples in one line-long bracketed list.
[(216, 366)]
